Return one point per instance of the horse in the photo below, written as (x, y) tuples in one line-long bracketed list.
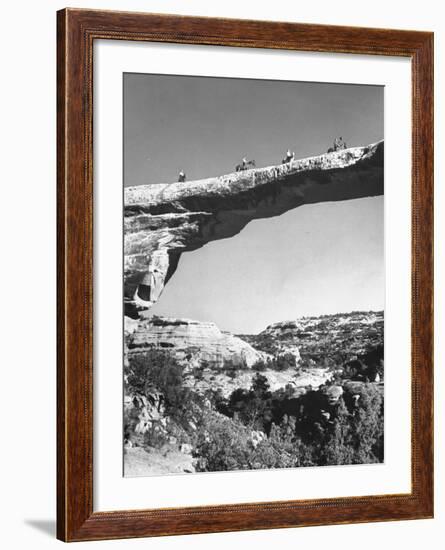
[(245, 166), (339, 145), (289, 158)]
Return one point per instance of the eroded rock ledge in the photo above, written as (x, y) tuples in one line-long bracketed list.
[(191, 342), (164, 220)]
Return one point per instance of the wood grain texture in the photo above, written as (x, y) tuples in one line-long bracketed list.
[(76, 32)]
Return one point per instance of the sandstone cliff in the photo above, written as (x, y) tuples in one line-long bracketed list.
[(163, 221), (351, 334), (192, 342), (216, 360)]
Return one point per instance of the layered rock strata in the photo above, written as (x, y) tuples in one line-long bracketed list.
[(164, 220), (192, 342)]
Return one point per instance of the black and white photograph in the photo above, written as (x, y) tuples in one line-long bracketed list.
[(254, 274)]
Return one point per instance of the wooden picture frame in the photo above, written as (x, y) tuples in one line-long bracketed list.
[(76, 32)]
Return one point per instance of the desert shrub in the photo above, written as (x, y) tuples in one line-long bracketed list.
[(251, 407), (301, 430), (217, 399), (374, 360), (335, 445), (260, 365), (367, 426), (222, 444), (284, 361), (156, 436), (355, 437), (241, 406), (159, 371), (225, 444), (334, 433), (269, 455), (197, 373), (233, 365), (264, 342), (283, 449), (260, 386), (306, 363)]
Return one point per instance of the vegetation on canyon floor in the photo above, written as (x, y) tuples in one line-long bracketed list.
[(339, 422)]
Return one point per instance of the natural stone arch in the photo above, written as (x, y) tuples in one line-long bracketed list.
[(164, 220)]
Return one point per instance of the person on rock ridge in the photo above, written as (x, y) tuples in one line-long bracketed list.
[(245, 165), (339, 144), (289, 157), (181, 176)]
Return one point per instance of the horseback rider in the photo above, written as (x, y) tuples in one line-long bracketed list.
[(289, 156), (245, 165), (339, 144)]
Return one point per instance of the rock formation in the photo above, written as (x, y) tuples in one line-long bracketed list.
[(162, 221), (354, 334), (191, 342)]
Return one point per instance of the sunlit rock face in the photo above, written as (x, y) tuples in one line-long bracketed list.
[(162, 221), (191, 342), (352, 334)]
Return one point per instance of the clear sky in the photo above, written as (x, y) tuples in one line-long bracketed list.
[(316, 259)]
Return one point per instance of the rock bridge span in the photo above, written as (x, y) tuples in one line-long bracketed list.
[(162, 221)]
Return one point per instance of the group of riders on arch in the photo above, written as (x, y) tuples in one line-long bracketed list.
[(245, 164)]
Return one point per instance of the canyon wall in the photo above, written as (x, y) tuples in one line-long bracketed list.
[(191, 342)]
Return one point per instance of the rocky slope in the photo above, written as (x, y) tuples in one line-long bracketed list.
[(217, 360), (163, 221), (140, 462), (330, 362), (328, 339), (193, 343)]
